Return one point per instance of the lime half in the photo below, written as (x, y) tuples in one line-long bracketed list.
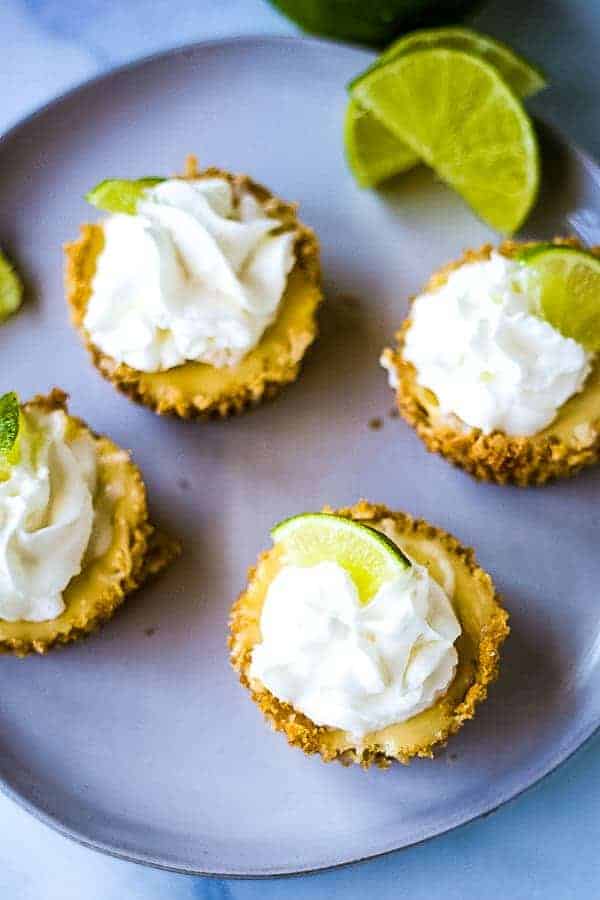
[(569, 291), (119, 195), (11, 289), (368, 556), (460, 117), (372, 150)]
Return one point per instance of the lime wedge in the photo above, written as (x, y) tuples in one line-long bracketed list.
[(363, 133), (11, 289), (569, 291), (368, 556), (10, 427), (372, 151), (460, 117), (524, 78), (118, 195)]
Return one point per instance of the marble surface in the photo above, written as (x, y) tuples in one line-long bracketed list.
[(544, 845)]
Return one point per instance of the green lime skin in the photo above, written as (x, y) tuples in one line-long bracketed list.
[(376, 22)]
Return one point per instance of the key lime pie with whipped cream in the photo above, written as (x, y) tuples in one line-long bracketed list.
[(74, 532), (497, 365), (197, 294), (367, 636)]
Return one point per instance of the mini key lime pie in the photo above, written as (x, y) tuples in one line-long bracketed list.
[(367, 636), (497, 368), (74, 532), (197, 294)]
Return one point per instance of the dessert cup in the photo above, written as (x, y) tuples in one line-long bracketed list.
[(476, 605), (570, 442), (135, 550), (198, 389)]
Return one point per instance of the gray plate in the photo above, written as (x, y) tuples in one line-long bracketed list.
[(140, 741)]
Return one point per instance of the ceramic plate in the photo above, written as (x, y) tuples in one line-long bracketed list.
[(140, 741)]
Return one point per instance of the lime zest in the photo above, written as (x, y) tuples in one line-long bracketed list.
[(121, 195), (11, 289), (458, 114), (370, 558), (569, 297)]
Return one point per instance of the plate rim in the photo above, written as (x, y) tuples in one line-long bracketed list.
[(577, 745)]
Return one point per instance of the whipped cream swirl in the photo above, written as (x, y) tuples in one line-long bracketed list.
[(478, 345), (196, 275), (351, 666), (46, 518)]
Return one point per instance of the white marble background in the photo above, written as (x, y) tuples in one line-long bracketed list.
[(544, 845)]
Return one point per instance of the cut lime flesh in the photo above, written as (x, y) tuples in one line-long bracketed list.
[(119, 195), (524, 78), (364, 134), (11, 289), (458, 115), (373, 152), (368, 556), (10, 428), (569, 291)]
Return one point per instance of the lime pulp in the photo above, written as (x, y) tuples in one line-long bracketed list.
[(120, 195), (368, 556), (460, 117), (373, 152), (569, 284)]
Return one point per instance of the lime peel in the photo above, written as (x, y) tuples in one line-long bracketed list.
[(368, 556), (121, 195)]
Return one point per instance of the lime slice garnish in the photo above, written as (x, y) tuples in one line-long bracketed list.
[(119, 195), (373, 152), (10, 428), (368, 556), (460, 117), (364, 135), (569, 299), (11, 289)]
